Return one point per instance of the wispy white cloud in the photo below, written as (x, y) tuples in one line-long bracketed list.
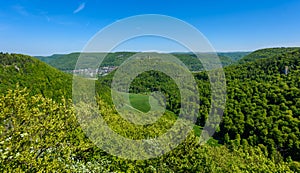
[(79, 8)]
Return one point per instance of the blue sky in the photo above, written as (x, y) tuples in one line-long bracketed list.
[(46, 27)]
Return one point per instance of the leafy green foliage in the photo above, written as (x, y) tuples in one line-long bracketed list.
[(268, 53), (262, 101), (37, 76), (38, 134), (260, 129)]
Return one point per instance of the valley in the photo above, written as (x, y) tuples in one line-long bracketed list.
[(259, 131)]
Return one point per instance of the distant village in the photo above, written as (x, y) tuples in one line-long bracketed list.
[(93, 73)]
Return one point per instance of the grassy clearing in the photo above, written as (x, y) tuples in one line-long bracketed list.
[(143, 103), (140, 102)]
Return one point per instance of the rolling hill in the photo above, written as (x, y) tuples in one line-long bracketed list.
[(235, 56), (37, 76), (262, 107), (67, 62), (259, 131), (263, 101), (268, 53)]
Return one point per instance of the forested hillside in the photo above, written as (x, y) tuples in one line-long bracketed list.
[(268, 53), (38, 77), (262, 107), (235, 56), (67, 62), (38, 134), (259, 132)]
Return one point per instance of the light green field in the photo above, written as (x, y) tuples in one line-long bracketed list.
[(144, 103), (140, 102)]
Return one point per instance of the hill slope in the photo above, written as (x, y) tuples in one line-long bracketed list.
[(37, 76), (269, 53), (262, 107), (235, 56), (67, 62), (263, 102), (259, 112)]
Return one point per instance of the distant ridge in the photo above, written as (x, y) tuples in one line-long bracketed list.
[(269, 53), (67, 62)]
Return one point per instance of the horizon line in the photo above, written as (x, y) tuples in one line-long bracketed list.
[(153, 51)]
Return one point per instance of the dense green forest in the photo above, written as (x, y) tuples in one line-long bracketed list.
[(235, 56), (267, 53), (259, 131), (263, 102), (67, 62), (37, 76)]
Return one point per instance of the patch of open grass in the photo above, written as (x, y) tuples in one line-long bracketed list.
[(140, 102)]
